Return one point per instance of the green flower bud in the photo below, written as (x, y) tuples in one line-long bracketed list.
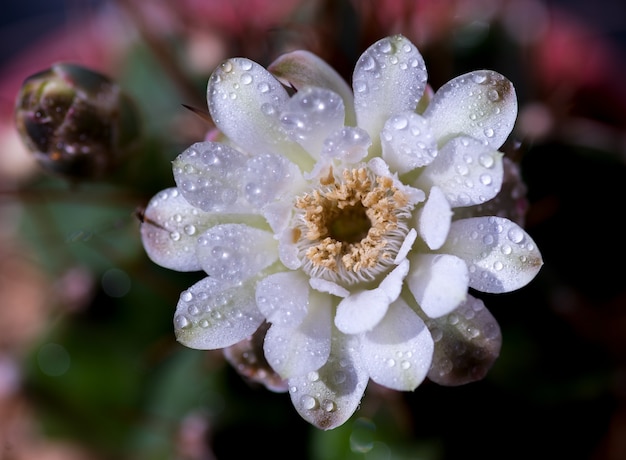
[(77, 122)]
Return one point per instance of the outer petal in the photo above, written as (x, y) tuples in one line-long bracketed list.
[(329, 397), (398, 352), (481, 104), (311, 115), (467, 342), (438, 282), (217, 178), (434, 219), (170, 229), (389, 78), (245, 101), (214, 314), (500, 255), (301, 68), (467, 171), (283, 298), (408, 142), (235, 252), (293, 352), (247, 358)]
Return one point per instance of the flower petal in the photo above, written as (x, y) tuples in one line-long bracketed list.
[(170, 229), (217, 178), (311, 115), (467, 171), (389, 78), (510, 202), (407, 142), (438, 282), (297, 351), (301, 68), (283, 298), (398, 352), (328, 397), (467, 342), (361, 311), (214, 314), (245, 101), (434, 219), (481, 104), (247, 358), (207, 174), (347, 144), (500, 255), (235, 252)]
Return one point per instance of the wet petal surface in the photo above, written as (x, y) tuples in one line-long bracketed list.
[(500, 255), (481, 104), (329, 396)]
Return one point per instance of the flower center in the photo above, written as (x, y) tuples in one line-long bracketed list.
[(350, 228)]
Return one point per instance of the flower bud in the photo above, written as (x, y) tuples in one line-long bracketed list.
[(77, 122)]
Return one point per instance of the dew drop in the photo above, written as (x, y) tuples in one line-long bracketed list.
[(486, 161), (186, 296), (479, 78), (453, 319), (497, 265), (516, 235), (246, 78), (263, 87), (190, 229), (181, 321), (485, 179), (175, 236), (493, 95), (329, 406), (246, 65), (308, 402), (391, 362), (489, 132), (405, 365), (227, 67), (506, 250)]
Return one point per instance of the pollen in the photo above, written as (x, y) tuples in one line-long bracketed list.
[(350, 227)]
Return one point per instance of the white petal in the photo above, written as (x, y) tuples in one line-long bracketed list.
[(500, 255), (208, 175), (235, 252), (322, 285), (217, 178), (439, 282), (361, 311), (300, 68), (407, 244), (467, 342), (407, 142), (389, 78), (467, 171), (214, 314), (283, 298), (170, 228), (245, 101), (434, 219), (481, 104), (398, 352), (311, 115), (328, 397), (292, 352), (347, 144), (392, 284)]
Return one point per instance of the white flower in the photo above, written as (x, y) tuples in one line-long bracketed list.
[(331, 216)]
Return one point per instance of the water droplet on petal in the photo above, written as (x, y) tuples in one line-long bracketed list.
[(308, 402)]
